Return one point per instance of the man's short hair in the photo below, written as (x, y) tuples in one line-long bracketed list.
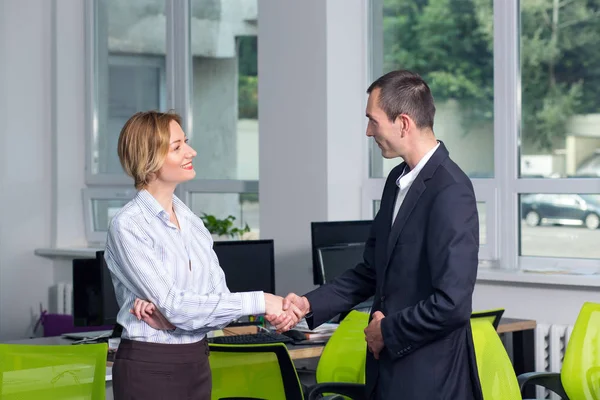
[(144, 144), (404, 92)]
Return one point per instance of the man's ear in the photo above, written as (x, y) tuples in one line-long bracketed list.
[(403, 122)]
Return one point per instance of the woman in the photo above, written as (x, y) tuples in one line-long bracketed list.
[(159, 251)]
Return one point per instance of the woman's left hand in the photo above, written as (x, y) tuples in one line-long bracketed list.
[(147, 312)]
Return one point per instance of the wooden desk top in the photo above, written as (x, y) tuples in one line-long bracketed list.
[(513, 325), (299, 352)]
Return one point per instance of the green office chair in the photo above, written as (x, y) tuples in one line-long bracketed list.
[(30, 372), (494, 316), (257, 371), (580, 373), (341, 368), (496, 373)]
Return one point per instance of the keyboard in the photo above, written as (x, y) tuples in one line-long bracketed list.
[(252, 338)]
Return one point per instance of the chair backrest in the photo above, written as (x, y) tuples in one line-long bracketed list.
[(257, 371), (344, 356), (493, 315), (580, 373), (39, 372), (496, 373)]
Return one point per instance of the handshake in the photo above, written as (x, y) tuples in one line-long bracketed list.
[(285, 313), (282, 313)]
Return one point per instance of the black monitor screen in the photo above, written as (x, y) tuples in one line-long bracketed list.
[(335, 233), (94, 302), (334, 260), (109, 299), (249, 265)]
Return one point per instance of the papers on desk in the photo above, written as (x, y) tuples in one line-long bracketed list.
[(323, 331)]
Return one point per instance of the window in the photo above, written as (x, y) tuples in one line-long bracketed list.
[(529, 141), (559, 141), (126, 74), (224, 112), (196, 58), (449, 43)]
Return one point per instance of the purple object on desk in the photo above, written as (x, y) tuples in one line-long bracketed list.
[(57, 324)]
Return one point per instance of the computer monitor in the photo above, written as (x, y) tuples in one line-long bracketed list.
[(249, 265), (336, 233), (94, 300), (335, 260)]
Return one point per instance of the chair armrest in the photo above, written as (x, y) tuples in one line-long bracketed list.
[(548, 380), (355, 391)]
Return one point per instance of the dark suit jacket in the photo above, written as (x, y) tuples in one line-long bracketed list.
[(422, 272)]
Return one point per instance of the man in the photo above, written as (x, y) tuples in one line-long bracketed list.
[(420, 260)]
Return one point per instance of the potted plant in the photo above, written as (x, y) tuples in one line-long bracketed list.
[(224, 229)]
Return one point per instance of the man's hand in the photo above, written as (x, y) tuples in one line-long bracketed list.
[(373, 334), (296, 307), (147, 312), (274, 311)]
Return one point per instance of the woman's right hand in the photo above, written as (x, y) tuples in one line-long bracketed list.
[(147, 312), (274, 311)]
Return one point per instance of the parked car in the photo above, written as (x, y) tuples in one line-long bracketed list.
[(561, 209)]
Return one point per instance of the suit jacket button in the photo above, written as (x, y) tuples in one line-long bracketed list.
[(382, 299)]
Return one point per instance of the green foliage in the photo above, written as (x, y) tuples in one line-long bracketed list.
[(223, 227), (450, 44), (248, 97)]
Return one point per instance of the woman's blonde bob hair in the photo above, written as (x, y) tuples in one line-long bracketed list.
[(144, 144)]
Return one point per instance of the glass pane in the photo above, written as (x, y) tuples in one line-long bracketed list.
[(103, 211), (376, 205), (225, 89), (482, 211), (560, 84), (450, 44), (560, 225), (241, 208), (130, 71)]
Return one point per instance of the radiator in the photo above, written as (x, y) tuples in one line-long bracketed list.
[(550, 344), (61, 299)]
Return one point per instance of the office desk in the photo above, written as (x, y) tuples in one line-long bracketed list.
[(523, 346)]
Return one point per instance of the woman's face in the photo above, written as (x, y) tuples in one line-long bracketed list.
[(178, 166)]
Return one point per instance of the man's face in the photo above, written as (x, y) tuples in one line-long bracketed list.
[(387, 134)]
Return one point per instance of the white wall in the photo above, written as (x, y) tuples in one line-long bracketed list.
[(312, 69), (548, 304), (25, 161)]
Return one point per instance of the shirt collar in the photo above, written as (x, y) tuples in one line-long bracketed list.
[(406, 178), (151, 208)]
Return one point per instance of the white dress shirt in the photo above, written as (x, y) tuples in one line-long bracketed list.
[(406, 179), (177, 270)]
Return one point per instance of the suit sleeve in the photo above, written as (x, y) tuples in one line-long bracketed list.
[(452, 255), (349, 289)]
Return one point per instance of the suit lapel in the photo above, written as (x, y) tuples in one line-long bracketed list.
[(412, 198), (410, 201)]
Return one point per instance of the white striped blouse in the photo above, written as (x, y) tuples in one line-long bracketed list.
[(177, 270)]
